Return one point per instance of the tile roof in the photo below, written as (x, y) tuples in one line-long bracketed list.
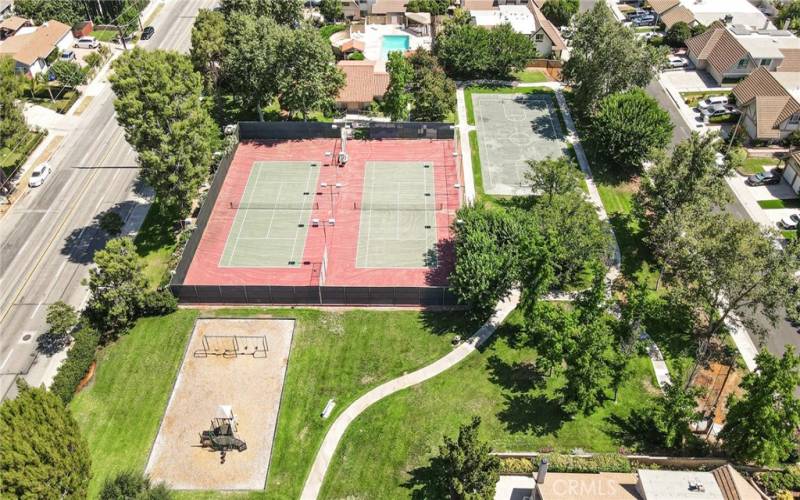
[(661, 6), (37, 45), (791, 60), (703, 43), (676, 15), (389, 6), (732, 484), (773, 102), (352, 44), (605, 485), (550, 30), (13, 23), (362, 82), (726, 52), (478, 4)]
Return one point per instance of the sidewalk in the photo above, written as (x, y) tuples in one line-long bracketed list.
[(313, 484), (466, 152)]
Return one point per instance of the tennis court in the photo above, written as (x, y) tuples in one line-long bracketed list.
[(273, 215), (512, 129), (398, 216)]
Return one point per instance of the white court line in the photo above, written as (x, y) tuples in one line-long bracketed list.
[(272, 217), (302, 213), (244, 216), (369, 217), (433, 198)]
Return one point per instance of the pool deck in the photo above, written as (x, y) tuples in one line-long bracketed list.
[(373, 41)]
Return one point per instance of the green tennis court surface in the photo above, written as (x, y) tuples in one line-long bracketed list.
[(273, 216), (512, 129), (398, 216)]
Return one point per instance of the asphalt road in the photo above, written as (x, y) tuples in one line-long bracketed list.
[(48, 238)]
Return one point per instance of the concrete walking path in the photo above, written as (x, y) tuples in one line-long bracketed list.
[(313, 484), (466, 152)]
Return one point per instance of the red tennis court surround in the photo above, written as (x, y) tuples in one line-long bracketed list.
[(340, 240)]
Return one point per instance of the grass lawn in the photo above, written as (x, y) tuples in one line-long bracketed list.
[(477, 173), (497, 89), (787, 203), (155, 243), (789, 235), (385, 450), (13, 155), (64, 99), (692, 98), (531, 76), (756, 164), (105, 35), (337, 355)]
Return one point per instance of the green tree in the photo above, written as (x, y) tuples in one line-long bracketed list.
[(674, 411), (789, 12), (464, 469), (208, 43), (720, 264), (433, 93), (761, 426), (588, 370), (286, 12), (117, 287), (331, 10), (12, 121), (250, 64), (552, 329), (628, 128), (159, 104), (61, 318), (68, 12), (396, 100), (553, 177), (605, 58), (434, 7), (68, 74), (309, 79), (560, 12), (128, 17), (112, 223), (42, 452), (677, 34), (690, 177), (467, 51), (133, 485)]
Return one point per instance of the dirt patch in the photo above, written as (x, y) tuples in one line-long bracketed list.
[(251, 385)]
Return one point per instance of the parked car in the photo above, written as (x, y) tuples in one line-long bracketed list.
[(147, 33), (719, 110), (643, 20), (87, 42), (789, 222), (67, 55), (764, 178), (39, 175), (677, 62), (712, 100)]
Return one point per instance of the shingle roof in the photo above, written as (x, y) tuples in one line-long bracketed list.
[(677, 14), (661, 6), (704, 42), (362, 82), (726, 51), (550, 30), (37, 45), (13, 23), (732, 484), (791, 60), (773, 102)]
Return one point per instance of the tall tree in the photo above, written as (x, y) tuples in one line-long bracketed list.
[(553, 177), (433, 93), (42, 452), (628, 128), (761, 426), (720, 264), (560, 12), (68, 12), (286, 12), (133, 485), (331, 10), (61, 318), (309, 80), (12, 121), (689, 178), (251, 59), (674, 411), (677, 34), (434, 7), (464, 468), (789, 15), (117, 287), (208, 43), (159, 104), (552, 328), (588, 371), (607, 57), (68, 74), (396, 100)]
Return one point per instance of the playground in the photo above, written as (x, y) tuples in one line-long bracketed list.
[(229, 391), (512, 129)]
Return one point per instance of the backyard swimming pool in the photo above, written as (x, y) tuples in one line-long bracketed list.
[(393, 42)]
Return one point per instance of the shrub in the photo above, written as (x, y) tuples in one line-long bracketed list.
[(594, 463), (516, 466), (678, 34), (93, 60), (355, 56), (736, 157), (775, 482), (79, 357), (159, 303)]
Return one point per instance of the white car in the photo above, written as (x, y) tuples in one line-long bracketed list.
[(87, 42), (711, 101), (677, 62), (789, 222), (39, 175)]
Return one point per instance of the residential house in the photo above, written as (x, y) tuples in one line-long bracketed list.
[(30, 46), (705, 12), (526, 19), (568, 486), (11, 26), (6, 8), (723, 483), (363, 84), (792, 171), (731, 52), (770, 104), (389, 11)]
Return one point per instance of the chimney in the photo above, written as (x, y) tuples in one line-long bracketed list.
[(786, 24), (728, 18), (542, 472)]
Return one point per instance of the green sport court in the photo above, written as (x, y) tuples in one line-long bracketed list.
[(398, 216), (512, 129), (271, 221)]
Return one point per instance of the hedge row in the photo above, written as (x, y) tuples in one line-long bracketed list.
[(79, 358), (568, 463), (775, 482)]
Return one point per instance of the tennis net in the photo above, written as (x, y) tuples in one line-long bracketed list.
[(273, 206), (399, 207)]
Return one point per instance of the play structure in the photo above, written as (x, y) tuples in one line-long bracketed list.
[(221, 436), (233, 346)]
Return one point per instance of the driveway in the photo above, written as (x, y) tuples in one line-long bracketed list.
[(690, 80), (749, 196)]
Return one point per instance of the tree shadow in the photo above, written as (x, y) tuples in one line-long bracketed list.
[(50, 344), (517, 377), (635, 253), (448, 323), (158, 230), (671, 325), (440, 262), (81, 244), (636, 431), (426, 482), (528, 413)]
